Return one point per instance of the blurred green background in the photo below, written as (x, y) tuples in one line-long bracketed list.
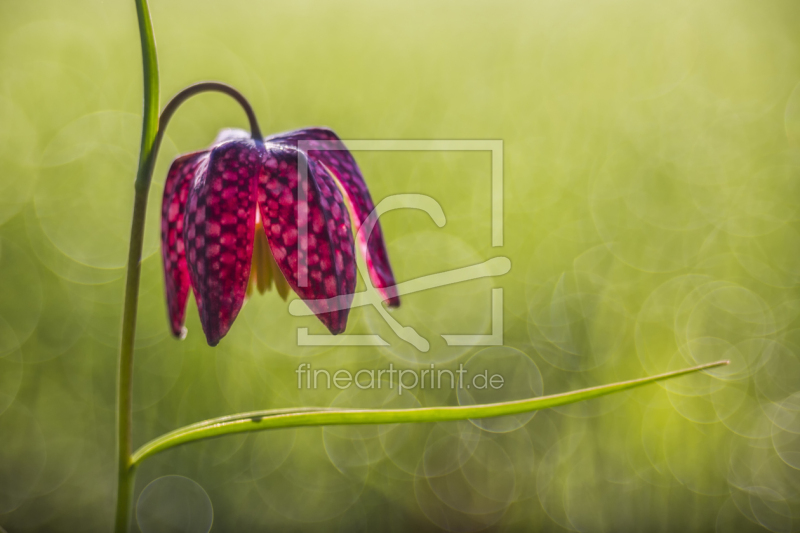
[(652, 178)]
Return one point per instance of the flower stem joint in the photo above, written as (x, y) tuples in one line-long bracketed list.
[(249, 212)]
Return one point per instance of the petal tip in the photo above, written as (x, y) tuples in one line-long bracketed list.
[(337, 329), (215, 331), (178, 331), (334, 322)]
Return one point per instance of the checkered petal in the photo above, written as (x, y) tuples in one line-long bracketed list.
[(319, 267), (219, 230), (176, 272), (340, 163)]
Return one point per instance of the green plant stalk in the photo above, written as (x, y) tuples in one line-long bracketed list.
[(125, 470), (285, 418)]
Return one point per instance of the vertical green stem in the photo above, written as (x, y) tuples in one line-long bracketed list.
[(125, 471)]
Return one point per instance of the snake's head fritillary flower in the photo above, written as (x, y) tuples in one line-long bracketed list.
[(231, 219)]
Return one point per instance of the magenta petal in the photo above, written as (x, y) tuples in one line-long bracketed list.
[(219, 231), (324, 274), (343, 166), (176, 272)]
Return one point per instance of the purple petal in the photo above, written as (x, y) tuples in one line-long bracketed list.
[(340, 162), (176, 272), (219, 230), (323, 272)]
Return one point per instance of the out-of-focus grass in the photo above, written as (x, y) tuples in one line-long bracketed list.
[(651, 192)]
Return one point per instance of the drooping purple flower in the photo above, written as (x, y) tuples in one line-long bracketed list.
[(221, 203)]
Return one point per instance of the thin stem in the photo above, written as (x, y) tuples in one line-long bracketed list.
[(125, 370), (125, 472), (185, 94), (207, 86), (151, 94), (275, 419)]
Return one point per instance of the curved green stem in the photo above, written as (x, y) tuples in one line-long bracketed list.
[(125, 472), (151, 95), (203, 87), (285, 418), (188, 92)]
